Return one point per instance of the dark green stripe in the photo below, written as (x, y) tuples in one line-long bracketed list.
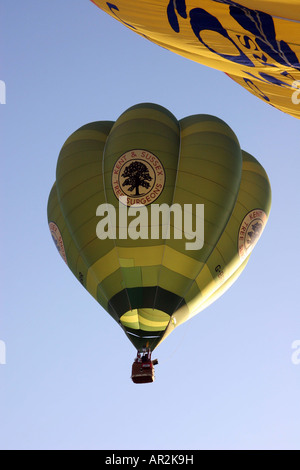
[(145, 297)]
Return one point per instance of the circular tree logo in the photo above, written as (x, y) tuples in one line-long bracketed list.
[(139, 176), (57, 238), (251, 229)]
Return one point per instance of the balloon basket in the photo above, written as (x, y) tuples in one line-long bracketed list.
[(143, 368)]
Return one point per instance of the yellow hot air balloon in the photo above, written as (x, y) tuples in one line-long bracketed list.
[(256, 42), (156, 217)]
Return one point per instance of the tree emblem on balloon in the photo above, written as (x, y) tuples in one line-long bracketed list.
[(250, 230), (136, 174), (254, 233)]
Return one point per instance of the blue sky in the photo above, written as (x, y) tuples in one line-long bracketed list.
[(226, 379)]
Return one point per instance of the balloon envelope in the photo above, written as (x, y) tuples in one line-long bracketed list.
[(256, 42), (156, 217)]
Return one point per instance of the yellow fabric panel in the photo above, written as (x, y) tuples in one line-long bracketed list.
[(199, 303), (257, 43), (205, 274), (145, 256), (178, 318), (289, 9), (114, 283), (195, 309), (126, 263), (147, 319), (178, 262), (142, 256), (101, 269)]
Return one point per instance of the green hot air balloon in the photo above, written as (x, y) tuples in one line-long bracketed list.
[(156, 218)]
